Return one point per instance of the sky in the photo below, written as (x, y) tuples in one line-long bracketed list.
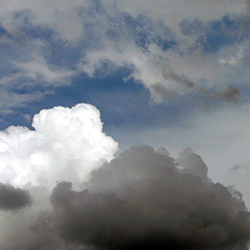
[(124, 124)]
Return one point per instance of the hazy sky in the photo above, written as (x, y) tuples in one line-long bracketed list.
[(81, 81)]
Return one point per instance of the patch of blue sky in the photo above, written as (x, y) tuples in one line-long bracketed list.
[(61, 55), (145, 32), (9, 54), (224, 32), (97, 6), (213, 35), (122, 104), (55, 51), (22, 18), (245, 94), (38, 32), (2, 31)]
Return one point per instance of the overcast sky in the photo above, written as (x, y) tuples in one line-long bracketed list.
[(81, 81)]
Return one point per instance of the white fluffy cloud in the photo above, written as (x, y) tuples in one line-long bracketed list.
[(66, 144)]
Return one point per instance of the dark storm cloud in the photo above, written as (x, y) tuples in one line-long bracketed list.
[(144, 199), (12, 198)]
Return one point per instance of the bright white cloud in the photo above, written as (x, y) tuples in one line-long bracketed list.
[(67, 144)]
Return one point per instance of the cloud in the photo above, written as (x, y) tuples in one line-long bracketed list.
[(62, 17), (38, 69), (143, 200), (185, 60), (231, 94), (66, 144), (11, 99), (193, 163), (165, 73), (12, 198), (239, 176), (158, 43)]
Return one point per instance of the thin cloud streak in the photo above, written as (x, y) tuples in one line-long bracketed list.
[(90, 35)]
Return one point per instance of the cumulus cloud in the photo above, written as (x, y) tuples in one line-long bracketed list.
[(66, 144), (12, 198), (239, 176), (144, 199)]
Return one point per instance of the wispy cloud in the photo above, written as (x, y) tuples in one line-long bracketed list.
[(149, 39)]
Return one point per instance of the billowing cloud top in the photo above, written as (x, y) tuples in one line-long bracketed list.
[(66, 144), (144, 200), (141, 199)]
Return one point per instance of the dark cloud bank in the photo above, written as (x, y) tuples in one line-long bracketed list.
[(144, 199), (12, 198)]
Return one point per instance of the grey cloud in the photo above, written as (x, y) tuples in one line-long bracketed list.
[(160, 92), (244, 31), (192, 163), (144, 200), (12, 198), (183, 80), (231, 94)]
